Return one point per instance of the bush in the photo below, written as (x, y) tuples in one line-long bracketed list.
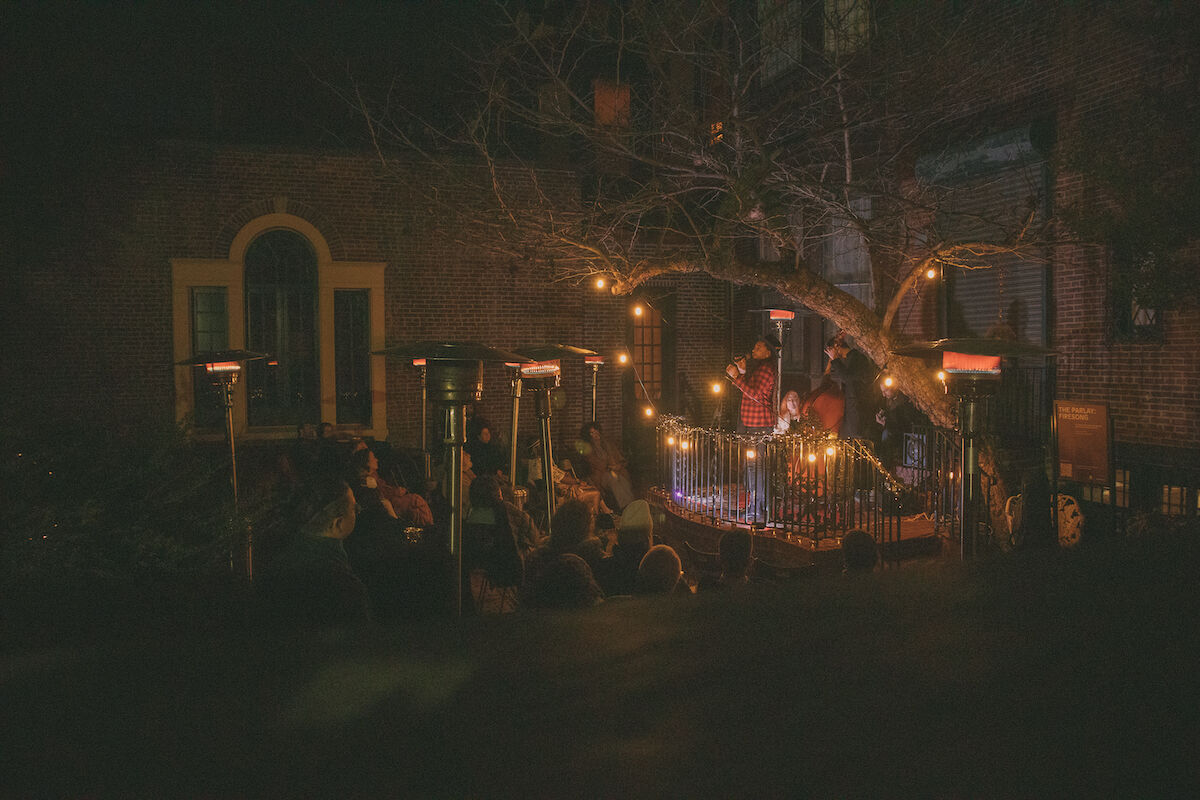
[(96, 521)]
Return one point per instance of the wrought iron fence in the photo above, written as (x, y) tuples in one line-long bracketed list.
[(807, 483)]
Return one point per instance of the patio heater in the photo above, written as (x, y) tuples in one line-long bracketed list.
[(972, 367), (223, 368), (779, 316), (543, 372), (595, 362), (455, 377)]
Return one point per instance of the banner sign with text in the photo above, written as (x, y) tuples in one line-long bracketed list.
[(1082, 441)]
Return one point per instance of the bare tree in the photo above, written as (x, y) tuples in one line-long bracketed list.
[(710, 139)]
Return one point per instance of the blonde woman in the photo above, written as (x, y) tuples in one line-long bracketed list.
[(789, 412)]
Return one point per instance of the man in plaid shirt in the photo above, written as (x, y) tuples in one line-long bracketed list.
[(757, 413), (756, 416)]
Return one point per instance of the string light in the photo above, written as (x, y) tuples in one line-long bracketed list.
[(751, 453), (889, 381), (623, 358), (716, 387), (671, 440), (638, 311), (600, 284), (931, 273), (649, 411)]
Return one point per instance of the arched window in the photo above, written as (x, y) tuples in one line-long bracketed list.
[(281, 320), (281, 292)]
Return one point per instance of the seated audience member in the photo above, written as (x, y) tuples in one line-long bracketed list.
[(566, 483), (489, 536), (487, 456), (310, 580), (375, 509), (859, 552), (606, 467), (573, 531), (635, 535), (735, 551), (409, 507), (563, 580), (659, 571)]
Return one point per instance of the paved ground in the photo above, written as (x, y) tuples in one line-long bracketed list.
[(1039, 675)]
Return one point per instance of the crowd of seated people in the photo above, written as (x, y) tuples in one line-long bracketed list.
[(364, 535)]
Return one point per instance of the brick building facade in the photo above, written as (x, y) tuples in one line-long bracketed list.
[(96, 321)]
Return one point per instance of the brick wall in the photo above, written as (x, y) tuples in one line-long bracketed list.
[(95, 322)]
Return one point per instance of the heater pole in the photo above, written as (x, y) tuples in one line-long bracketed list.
[(512, 437), (543, 412), (455, 437)]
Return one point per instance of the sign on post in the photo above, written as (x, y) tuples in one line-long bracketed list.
[(1082, 441)]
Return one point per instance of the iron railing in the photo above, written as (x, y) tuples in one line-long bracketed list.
[(804, 484)]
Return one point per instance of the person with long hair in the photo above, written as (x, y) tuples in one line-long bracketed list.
[(789, 412)]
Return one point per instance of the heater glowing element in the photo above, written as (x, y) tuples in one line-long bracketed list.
[(970, 364), (541, 369), (222, 367)]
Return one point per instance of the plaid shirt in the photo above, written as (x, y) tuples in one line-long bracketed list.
[(758, 392)]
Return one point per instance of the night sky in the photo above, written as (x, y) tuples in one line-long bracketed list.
[(78, 74)]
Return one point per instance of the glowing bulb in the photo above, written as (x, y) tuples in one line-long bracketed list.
[(683, 445), (716, 388), (830, 451), (638, 311), (889, 381), (623, 358), (812, 457), (649, 411), (751, 454), (671, 440), (600, 283), (931, 273)]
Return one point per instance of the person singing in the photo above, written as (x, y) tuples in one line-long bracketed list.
[(756, 382)]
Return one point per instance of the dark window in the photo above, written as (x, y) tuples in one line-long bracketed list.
[(281, 313), (1130, 320), (351, 343), (210, 332)]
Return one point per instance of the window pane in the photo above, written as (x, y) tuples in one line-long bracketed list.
[(210, 332), (646, 354), (281, 321), (352, 353)]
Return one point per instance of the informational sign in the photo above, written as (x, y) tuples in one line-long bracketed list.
[(1082, 441)]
